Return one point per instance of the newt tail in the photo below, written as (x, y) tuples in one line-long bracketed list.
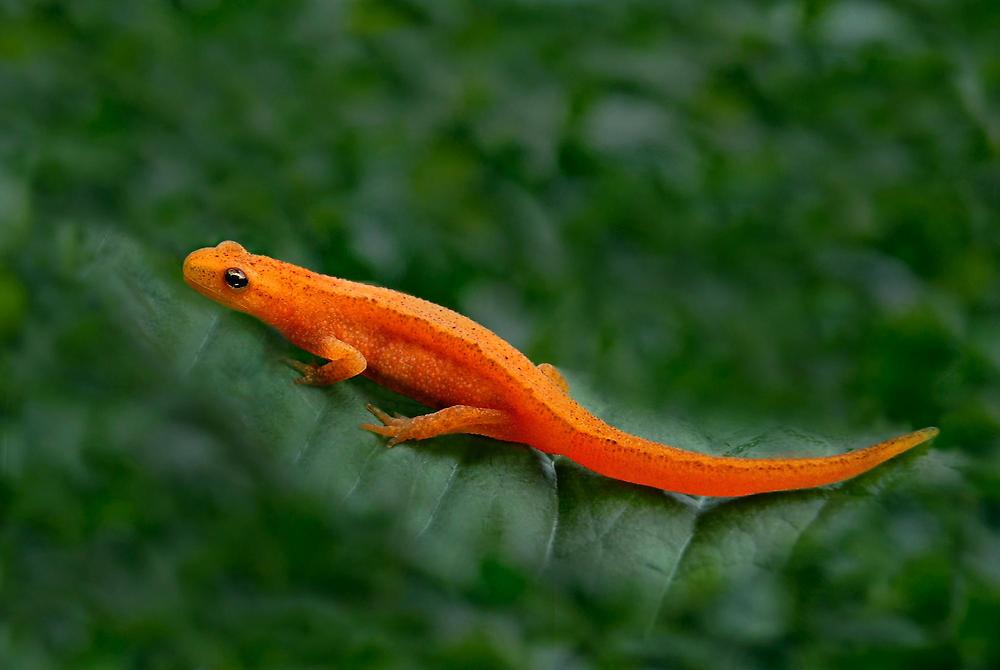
[(630, 458), (479, 382)]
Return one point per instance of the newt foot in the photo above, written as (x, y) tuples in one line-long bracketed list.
[(310, 373), (396, 427)]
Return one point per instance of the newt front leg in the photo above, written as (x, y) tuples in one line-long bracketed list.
[(344, 362)]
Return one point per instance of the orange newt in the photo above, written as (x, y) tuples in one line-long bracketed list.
[(482, 384)]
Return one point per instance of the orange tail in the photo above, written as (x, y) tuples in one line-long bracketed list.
[(634, 459)]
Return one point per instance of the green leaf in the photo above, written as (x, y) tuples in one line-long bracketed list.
[(462, 501)]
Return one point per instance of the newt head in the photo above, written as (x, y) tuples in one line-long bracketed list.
[(228, 274)]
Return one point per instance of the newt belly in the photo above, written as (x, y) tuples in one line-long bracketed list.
[(479, 383)]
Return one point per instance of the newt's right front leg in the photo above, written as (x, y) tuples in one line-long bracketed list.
[(344, 362)]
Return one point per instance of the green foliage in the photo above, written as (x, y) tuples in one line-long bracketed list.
[(724, 220)]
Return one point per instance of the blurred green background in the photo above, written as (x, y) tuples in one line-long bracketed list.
[(768, 227)]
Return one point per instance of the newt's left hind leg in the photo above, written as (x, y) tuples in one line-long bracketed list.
[(553, 373), (450, 420)]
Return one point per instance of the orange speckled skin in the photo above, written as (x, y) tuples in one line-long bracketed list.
[(445, 360)]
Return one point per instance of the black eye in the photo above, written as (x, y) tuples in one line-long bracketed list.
[(236, 278)]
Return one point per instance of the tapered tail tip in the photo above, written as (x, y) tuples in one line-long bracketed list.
[(927, 433)]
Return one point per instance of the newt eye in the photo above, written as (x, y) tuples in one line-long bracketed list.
[(236, 278)]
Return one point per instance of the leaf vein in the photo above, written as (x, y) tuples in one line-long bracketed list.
[(440, 500), (550, 544), (673, 572), (363, 469), (209, 332), (321, 415)]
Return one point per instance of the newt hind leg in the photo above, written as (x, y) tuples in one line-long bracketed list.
[(450, 420), (552, 372)]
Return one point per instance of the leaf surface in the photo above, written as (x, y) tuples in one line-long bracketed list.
[(463, 500)]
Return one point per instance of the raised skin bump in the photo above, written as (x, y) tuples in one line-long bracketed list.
[(482, 383), (552, 372)]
